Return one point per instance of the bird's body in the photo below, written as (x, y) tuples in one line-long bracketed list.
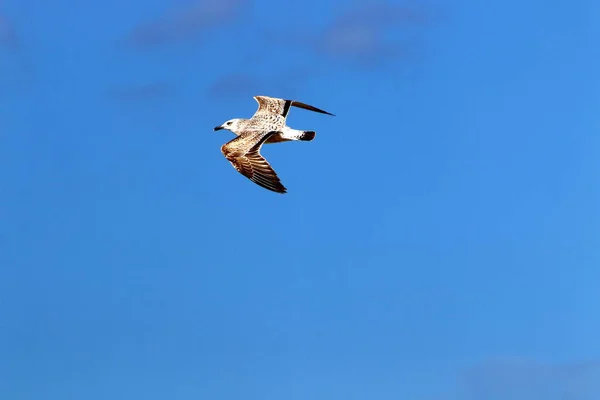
[(267, 125)]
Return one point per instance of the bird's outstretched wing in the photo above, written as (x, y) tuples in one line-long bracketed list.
[(272, 105), (243, 153)]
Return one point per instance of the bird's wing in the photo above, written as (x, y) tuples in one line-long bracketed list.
[(243, 153), (272, 105)]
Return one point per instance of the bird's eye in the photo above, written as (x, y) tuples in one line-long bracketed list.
[(229, 123)]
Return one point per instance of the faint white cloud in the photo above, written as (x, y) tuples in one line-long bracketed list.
[(18, 73), (150, 91), (8, 36), (366, 34), (241, 84), (235, 85), (360, 33), (523, 379), (185, 22)]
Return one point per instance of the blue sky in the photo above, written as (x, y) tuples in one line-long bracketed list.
[(440, 239)]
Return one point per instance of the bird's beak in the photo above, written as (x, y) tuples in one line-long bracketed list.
[(218, 128)]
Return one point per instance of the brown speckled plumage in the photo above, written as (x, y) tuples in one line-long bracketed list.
[(243, 153), (267, 125)]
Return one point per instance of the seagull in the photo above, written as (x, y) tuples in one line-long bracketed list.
[(267, 125)]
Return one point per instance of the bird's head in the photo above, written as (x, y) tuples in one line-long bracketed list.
[(231, 125)]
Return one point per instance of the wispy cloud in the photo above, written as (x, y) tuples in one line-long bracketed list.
[(185, 22), (235, 85), (241, 84), (523, 379), (366, 34), (361, 34), (8, 36), (150, 91), (15, 57)]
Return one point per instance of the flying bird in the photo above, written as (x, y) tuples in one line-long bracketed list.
[(267, 125)]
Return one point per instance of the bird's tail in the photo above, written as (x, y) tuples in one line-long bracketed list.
[(307, 136)]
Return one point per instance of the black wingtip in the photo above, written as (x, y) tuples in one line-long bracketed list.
[(326, 112), (310, 108), (323, 112)]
